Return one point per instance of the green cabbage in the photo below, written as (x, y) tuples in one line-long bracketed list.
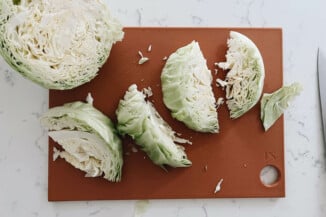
[(273, 104), (245, 80), (88, 137), (141, 121), (59, 44), (187, 92)]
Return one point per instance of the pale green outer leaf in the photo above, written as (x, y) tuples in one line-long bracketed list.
[(245, 79), (187, 92), (84, 118), (59, 44), (274, 104), (140, 120)]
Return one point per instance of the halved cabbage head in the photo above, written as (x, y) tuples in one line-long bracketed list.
[(88, 138), (59, 44), (187, 92), (245, 79), (273, 104), (140, 120)]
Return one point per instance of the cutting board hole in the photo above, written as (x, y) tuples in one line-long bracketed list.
[(269, 176)]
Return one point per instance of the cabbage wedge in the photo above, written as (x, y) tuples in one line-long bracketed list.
[(140, 120), (88, 138), (187, 91)]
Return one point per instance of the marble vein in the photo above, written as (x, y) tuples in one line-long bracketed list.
[(245, 18), (295, 158), (204, 210), (139, 16), (301, 134), (196, 20), (301, 123), (40, 142), (9, 77), (319, 164), (159, 21), (94, 212)]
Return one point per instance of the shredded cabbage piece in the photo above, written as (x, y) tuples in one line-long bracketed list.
[(142, 59), (245, 79)]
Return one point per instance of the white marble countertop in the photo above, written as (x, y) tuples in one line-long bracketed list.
[(23, 143)]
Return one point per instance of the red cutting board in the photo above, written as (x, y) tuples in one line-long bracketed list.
[(237, 154)]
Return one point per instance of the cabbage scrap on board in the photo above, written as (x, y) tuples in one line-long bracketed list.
[(59, 44), (274, 104), (88, 137), (245, 79), (187, 92), (139, 119)]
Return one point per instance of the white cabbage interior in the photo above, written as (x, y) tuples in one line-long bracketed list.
[(164, 129), (60, 43), (246, 76), (82, 117), (65, 122), (83, 150)]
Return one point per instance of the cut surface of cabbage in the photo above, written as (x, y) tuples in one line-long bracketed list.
[(187, 92), (59, 44), (88, 138), (139, 119), (273, 104), (245, 79)]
